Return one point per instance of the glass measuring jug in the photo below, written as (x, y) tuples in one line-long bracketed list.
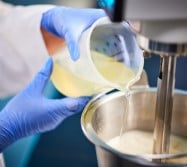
[(109, 58)]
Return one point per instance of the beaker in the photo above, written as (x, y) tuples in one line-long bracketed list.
[(109, 59)]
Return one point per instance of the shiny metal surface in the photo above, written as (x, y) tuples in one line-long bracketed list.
[(166, 81), (164, 104), (101, 121), (161, 31), (161, 48)]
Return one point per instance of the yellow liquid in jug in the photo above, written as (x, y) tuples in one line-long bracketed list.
[(112, 70), (137, 142), (74, 86)]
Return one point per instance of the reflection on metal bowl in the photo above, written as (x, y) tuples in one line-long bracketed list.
[(102, 120)]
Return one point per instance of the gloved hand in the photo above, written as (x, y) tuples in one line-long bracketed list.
[(30, 112), (69, 23)]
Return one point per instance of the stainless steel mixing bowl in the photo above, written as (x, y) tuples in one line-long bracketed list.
[(102, 120)]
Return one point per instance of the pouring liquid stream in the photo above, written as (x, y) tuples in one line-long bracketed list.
[(124, 117)]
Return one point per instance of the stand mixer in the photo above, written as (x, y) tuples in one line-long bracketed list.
[(161, 28)]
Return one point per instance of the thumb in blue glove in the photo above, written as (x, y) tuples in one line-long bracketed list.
[(69, 23), (30, 112)]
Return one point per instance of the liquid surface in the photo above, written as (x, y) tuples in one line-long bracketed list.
[(141, 142), (74, 86), (111, 69)]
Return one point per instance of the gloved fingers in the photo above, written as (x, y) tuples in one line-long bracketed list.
[(72, 44), (67, 106), (39, 82), (69, 23), (95, 13), (72, 39), (51, 19)]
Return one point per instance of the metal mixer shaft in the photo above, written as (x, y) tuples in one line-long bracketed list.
[(168, 53), (164, 104)]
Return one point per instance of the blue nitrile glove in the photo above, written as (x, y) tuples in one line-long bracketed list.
[(69, 23), (30, 112)]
